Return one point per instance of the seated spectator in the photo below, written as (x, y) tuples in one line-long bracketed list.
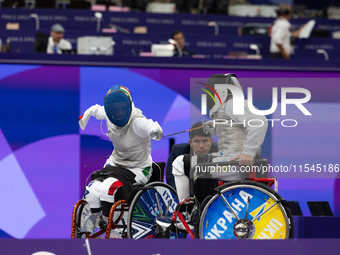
[(180, 39), (199, 143), (56, 43)]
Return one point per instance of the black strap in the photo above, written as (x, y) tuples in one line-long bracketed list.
[(202, 186), (124, 175), (201, 158), (186, 161)]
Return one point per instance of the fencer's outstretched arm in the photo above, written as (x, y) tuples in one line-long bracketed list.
[(96, 111), (144, 127), (256, 131)]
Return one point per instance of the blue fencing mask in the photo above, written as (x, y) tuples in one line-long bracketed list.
[(117, 105)]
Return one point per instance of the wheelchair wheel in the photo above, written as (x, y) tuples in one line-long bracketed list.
[(83, 212), (82, 215), (245, 210), (145, 208)]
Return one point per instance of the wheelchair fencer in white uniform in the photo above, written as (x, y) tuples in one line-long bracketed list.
[(130, 162), (237, 140)]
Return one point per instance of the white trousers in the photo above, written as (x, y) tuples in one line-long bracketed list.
[(98, 191)]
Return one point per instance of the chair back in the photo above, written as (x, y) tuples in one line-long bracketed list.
[(157, 172)]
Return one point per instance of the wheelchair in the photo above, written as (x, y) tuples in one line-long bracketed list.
[(245, 209), (134, 217)]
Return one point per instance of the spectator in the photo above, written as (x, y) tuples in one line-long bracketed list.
[(56, 43), (280, 42), (180, 39)]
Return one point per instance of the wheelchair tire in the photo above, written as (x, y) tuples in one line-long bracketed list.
[(144, 210), (82, 208), (216, 221)]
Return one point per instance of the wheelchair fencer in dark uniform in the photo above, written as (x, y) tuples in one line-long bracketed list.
[(134, 216), (244, 209)]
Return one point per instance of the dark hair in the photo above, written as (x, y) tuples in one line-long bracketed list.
[(284, 9), (175, 33), (198, 131)]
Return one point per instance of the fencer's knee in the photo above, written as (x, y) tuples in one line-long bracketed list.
[(92, 194), (107, 192)]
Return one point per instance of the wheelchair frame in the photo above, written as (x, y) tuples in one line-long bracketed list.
[(158, 173), (252, 177), (110, 225), (125, 208)]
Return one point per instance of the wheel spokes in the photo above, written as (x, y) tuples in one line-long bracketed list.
[(258, 216), (245, 217), (230, 208)]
